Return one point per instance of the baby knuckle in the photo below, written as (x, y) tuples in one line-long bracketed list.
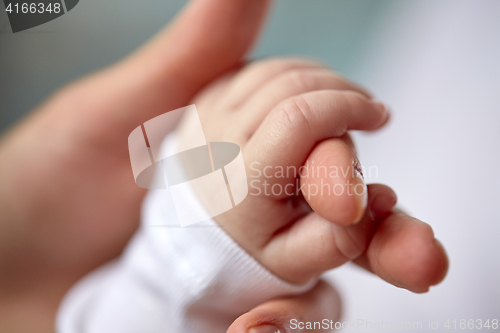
[(296, 112), (351, 99), (353, 250), (300, 80), (284, 64), (326, 244), (293, 62)]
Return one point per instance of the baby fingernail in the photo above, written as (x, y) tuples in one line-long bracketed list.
[(265, 329), (358, 188)]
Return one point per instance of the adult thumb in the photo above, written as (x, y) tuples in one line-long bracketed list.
[(207, 39)]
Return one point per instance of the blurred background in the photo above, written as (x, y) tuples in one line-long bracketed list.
[(435, 62)]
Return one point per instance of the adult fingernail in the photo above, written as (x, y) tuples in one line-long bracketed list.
[(265, 329), (381, 108), (358, 188), (378, 105), (383, 204)]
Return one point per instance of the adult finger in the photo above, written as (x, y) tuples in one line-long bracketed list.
[(313, 245), (332, 183), (291, 314), (405, 253)]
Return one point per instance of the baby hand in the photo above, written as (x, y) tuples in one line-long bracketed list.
[(306, 211)]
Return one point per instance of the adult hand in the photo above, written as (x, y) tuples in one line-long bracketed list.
[(68, 200)]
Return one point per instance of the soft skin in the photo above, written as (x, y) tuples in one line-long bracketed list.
[(68, 202), (290, 112)]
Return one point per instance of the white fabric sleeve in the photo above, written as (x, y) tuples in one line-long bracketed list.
[(171, 279)]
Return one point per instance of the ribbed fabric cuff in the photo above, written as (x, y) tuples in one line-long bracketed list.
[(172, 279), (217, 274)]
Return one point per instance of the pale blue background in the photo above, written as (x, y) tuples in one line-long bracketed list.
[(97, 33)]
